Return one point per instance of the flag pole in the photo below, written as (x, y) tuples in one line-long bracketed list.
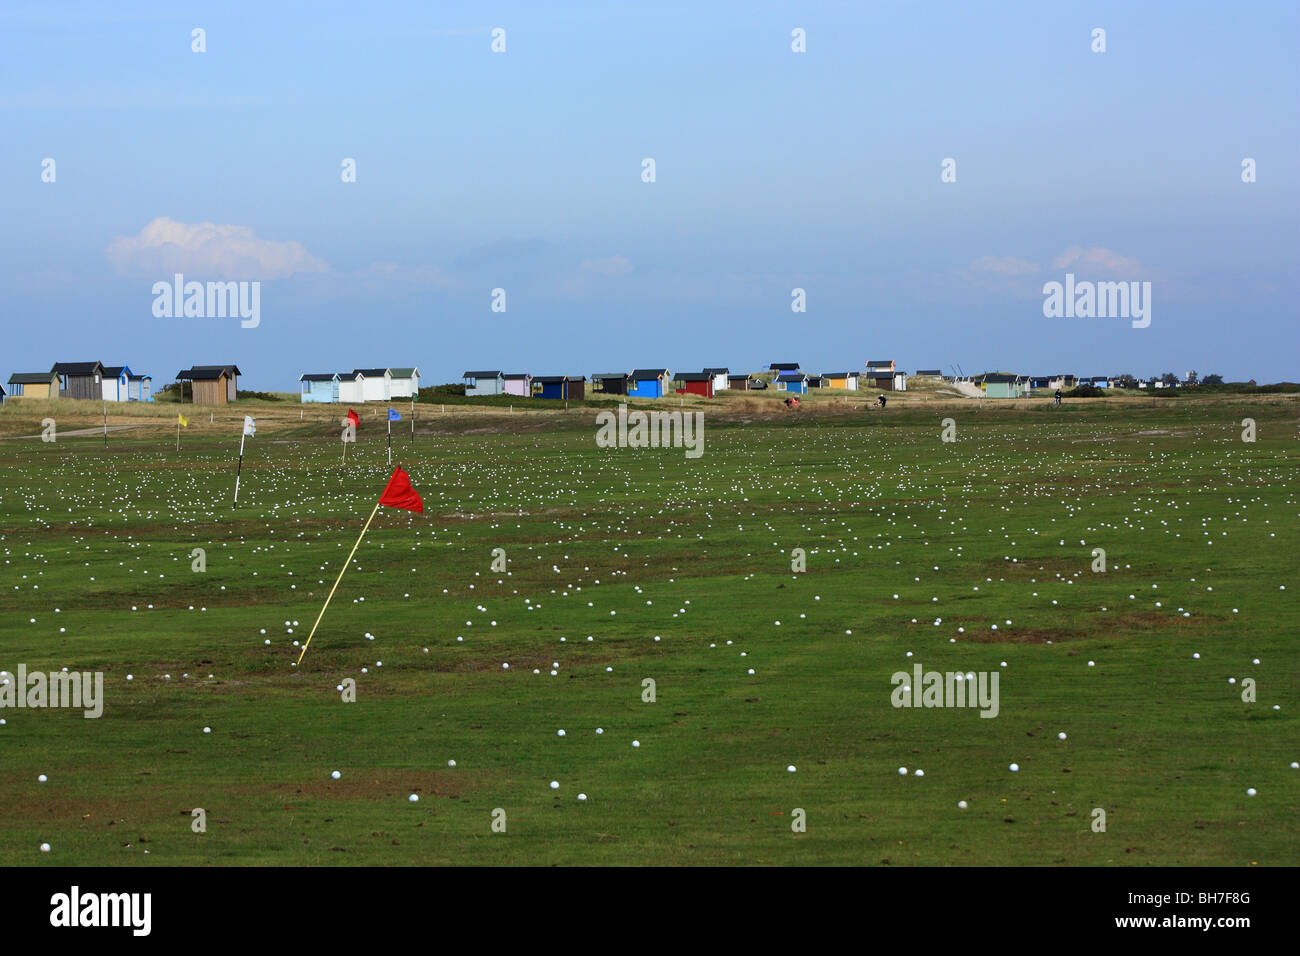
[(239, 466), (178, 432), (390, 436), (339, 578)]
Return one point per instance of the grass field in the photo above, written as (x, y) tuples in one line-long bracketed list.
[(626, 564)]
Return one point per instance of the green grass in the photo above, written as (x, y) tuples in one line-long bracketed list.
[(1159, 740)]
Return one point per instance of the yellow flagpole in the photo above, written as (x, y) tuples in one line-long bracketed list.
[(339, 578)]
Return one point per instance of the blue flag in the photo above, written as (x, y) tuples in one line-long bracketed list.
[(394, 415)]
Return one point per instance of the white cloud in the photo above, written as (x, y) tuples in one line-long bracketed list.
[(611, 266), (1096, 261), (206, 251)]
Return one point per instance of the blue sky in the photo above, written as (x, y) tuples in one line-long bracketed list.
[(774, 170)]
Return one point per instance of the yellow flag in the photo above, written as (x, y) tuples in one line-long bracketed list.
[(185, 422)]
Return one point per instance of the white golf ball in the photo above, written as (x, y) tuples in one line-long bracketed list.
[(790, 768), (1014, 768), (45, 848), (336, 775), (559, 733), (42, 778), (636, 743), (207, 730), (451, 763), (600, 730), (414, 798), (582, 796), (1250, 792), (1060, 736), (555, 785), (961, 804), (505, 666), (920, 773), (902, 771)]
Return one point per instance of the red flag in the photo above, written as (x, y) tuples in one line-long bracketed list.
[(354, 418), (400, 494)]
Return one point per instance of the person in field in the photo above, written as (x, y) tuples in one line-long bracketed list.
[(880, 402), (1057, 399)]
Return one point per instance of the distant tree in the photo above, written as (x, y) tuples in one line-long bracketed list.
[(1191, 377), (1169, 378), (1212, 380), (1125, 381)]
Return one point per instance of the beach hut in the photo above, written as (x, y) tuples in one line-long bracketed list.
[(211, 384), (609, 383), (1004, 385), (929, 373), (721, 378), (139, 388), (80, 379), (351, 388), (795, 382), (319, 387), (649, 383), (694, 383), (114, 381), (485, 383), (559, 386), (843, 381), (375, 384), (518, 383), (34, 385), (880, 375), (404, 383), (739, 382)]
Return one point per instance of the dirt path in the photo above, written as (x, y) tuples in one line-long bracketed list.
[(76, 432)]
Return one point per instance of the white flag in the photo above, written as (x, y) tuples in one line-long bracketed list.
[(250, 427)]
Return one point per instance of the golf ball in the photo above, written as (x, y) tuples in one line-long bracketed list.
[(42, 778), (790, 768), (636, 743), (1014, 768), (336, 775), (555, 785), (1250, 792), (961, 804), (45, 848), (582, 796), (902, 771), (414, 798)]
